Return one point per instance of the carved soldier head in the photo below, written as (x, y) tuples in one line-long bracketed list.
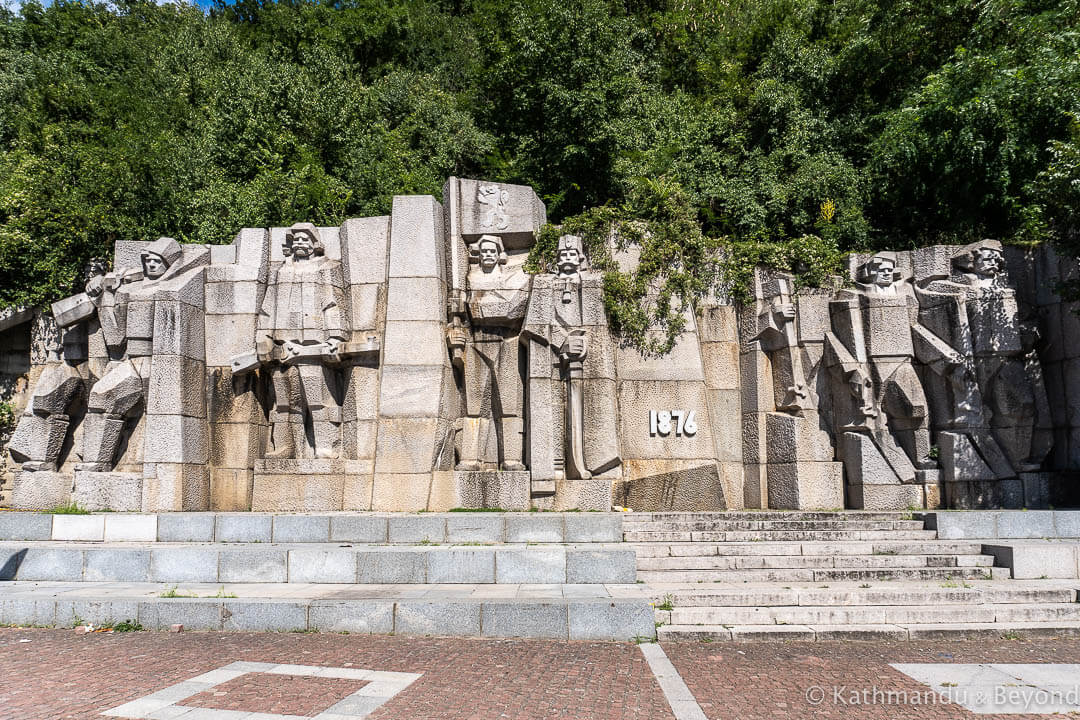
[(159, 256), (488, 252), (880, 271), (302, 241), (983, 259), (571, 255)]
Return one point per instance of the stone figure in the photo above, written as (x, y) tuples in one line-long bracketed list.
[(995, 401), (880, 409), (125, 303), (494, 388), (301, 329), (564, 322), (39, 437), (778, 335)]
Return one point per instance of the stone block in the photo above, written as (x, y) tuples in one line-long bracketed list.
[(87, 528), (637, 398), (391, 566), (222, 254), (116, 491), (179, 330), (183, 564), (963, 525), (1036, 489), (682, 363), (1035, 560), (363, 249), (176, 439), (717, 323), (513, 212), (356, 617), (472, 565), (593, 527), (301, 528), (790, 439), (413, 529), (234, 445), (409, 446), (274, 616), (1026, 524), (173, 487), (40, 490), (232, 298), (475, 527), (417, 617), (193, 614), (400, 492), (411, 391), (806, 486), (366, 303), (533, 565), (672, 485), (885, 497), (322, 566), (25, 526), (525, 619), (494, 489), (725, 419), (131, 528), (1066, 523), (229, 336), (243, 528), (253, 566), (185, 527), (115, 565), (721, 364), (535, 528), (416, 298), (414, 342), (330, 237), (600, 566), (27, 612), (416, 237), (592, 495), (230, 490), (100, 613), (358, 528), (47, 564), (610, 620), (279, 492)]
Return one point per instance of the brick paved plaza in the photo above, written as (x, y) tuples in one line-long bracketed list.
[(46, 674)]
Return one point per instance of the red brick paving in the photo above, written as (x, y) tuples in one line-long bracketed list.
[(59, 674), (745, 681), (280, 694)]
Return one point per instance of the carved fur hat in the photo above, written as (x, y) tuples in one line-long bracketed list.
[(965, 259), (165, 248), (474, 249), (869, 268), (308, 228)]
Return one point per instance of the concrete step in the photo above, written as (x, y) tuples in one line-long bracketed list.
[(877, 632), (882, 547), (741, 562), (315, 563), (779, 575), (870, 614), (569, 612), (761, 515), (775, 535), (733, 525), (404, 528), (883, 594)]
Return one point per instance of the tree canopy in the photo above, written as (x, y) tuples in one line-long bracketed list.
[(781, 130)]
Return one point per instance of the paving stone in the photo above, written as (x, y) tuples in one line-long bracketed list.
[(264, 616), (607, 620), (461, 566), (244, 528), (25, 526), (600, 566), (183, 564), (525, 619), (358, 528), (531, 565), (593, 527), (367, 616), (186, 527), (534, 527), (322, 566), (475, 527), (253, 566), (116, 565), (391, 565), (417, 528), (416, 617), (301, 528)]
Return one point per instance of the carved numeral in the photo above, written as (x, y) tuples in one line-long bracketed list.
[(660, 422)]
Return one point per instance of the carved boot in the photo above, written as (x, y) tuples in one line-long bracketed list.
[(327, 438), (513, 435), (101, 438)]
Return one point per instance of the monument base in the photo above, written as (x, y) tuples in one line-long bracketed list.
[(310, 485), (40, 490), (117, 491), (984, 494), (502, 489), (692, 489)]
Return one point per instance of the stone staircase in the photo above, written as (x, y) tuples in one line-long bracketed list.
[(832, 575), (553, 575)]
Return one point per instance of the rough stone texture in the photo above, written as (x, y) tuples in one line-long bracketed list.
[(244, 528), (301, 528), (188, 527), (40, 490), (358, 528), (531, 565), (600, 566), (368, 617), (525, 619), (501, 489), (475, 527), (1036, 560), (183, 564), (610, 620), (119, 492), (391, 566), (25, 526), (416, 617)]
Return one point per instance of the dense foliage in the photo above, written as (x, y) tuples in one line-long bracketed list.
[(775, 130)]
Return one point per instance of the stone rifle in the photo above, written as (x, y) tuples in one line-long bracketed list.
[(248, 361)]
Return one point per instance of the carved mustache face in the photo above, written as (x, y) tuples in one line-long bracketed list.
[(569, 261), (988, 262), (884, 274), (489, 256), (302, 245)]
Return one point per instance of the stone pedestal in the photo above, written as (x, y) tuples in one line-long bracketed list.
[(687, 489), (307, 485), (801, 474), (503, 489), (118, 491), (41, 490)]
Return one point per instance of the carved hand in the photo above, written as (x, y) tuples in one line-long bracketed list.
[(786, 311)]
